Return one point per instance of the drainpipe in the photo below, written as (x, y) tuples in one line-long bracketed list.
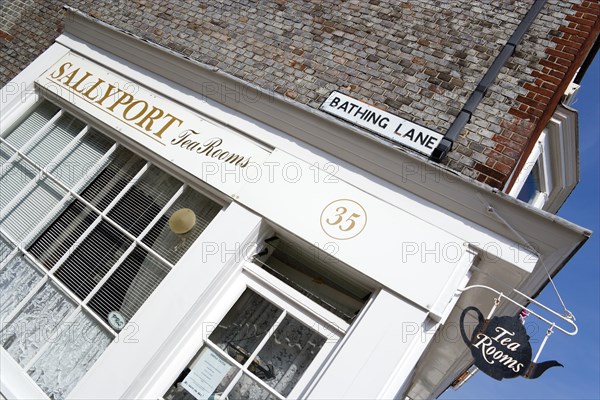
[(464, 116)]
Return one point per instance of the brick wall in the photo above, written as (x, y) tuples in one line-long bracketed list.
[(522, 101), (419, 59)]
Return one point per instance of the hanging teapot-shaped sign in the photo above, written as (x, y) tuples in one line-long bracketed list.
[(501, 348)]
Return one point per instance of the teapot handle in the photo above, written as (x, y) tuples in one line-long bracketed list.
[(462, 322)]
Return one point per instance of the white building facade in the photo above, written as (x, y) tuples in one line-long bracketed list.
[(159, 243)]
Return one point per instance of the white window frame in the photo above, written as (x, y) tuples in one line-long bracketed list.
[(278, 293), (555, 156), (16, 99), (537, 163), (102, 216)]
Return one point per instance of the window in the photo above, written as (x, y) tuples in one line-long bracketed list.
[(265, 347), (258, 351), (277, 334), (533, 189), (86, 234), (551, 170)]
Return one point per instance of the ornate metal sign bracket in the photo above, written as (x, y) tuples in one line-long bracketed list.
[(570, 319)]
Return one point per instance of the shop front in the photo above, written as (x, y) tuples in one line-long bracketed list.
[(156, 243)]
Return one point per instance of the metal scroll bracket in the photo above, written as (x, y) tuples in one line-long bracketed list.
[(569, 319)]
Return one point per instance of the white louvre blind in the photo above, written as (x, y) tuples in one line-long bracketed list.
[(32, 124), (170, 245), (15, 175), (29, 202), (5, 154), (92, 222)]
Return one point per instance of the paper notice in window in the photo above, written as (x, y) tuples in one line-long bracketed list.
[(205, 376)]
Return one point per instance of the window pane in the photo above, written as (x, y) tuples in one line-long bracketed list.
[(532, 185), (246, 388), (207, 376), (32, 124), (5, 154), (58, 238), (171, 245), (71, 354), (287, 354), (144, 200), (80, 161), (90, 261), (56, 139), (14, 177), (35, 324), (245, 325), (317, 275), (34, 204), (17, 279), (123, 166), (130, 285), (5, 249)]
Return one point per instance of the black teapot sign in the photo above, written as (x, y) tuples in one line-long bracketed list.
[(501, 348)]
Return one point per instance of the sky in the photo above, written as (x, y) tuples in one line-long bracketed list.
[(578, 283)]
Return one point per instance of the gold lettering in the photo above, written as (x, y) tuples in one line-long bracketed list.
[(69, 77), (125, 98), (87, 74), (109, 92), (61, 70), (152, 116), (90, 90), (133, 104), (98, 91), (168, 124)]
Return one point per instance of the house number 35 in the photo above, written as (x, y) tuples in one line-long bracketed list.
[(343, 219)]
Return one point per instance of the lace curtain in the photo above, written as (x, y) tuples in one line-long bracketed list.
[(281, 361)]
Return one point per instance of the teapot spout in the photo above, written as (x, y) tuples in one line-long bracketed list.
[(536, 370)]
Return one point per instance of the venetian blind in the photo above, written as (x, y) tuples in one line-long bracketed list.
[(84, 234)]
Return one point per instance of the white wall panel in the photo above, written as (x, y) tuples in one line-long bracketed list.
[(377, 345)]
